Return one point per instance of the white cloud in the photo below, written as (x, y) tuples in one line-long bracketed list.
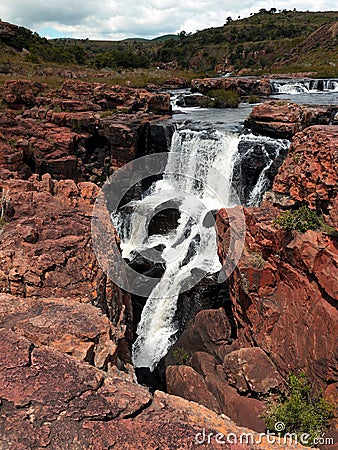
[(118, 19)]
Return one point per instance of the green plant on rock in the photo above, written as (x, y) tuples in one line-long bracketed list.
[(77, 126), (224, 99), (301, 219), (301, 412), (181, 356), (253, 99), (256, 260)]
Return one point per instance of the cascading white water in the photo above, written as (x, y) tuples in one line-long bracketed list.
[(276, 146), (304, 86), (192, 245)]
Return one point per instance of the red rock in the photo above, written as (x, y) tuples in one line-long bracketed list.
[(290, 315), (19, 93), (283, 119), (251, 370), (93, 411), (244, 411), (310, 172), (185, 382), (210, 332)]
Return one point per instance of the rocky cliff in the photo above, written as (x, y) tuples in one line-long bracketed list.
[(66, 378)]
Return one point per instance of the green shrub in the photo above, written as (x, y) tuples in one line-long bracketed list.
[(253, 99), (301, 219), (301, 412), (224, 99), (256, 260), (77, 126), (181, 356)]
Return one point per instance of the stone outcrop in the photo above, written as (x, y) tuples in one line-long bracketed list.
[(283, 119), (51, 400), (284, 295), (83, 131), (77, 95), (244, 86), (310, 171)]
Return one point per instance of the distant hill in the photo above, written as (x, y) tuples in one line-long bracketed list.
[(267, 41), (165, 38)]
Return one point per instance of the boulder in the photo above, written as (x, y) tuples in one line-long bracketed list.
[(282, 118), (250, 370)]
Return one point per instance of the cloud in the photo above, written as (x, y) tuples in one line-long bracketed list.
[(118, 19)]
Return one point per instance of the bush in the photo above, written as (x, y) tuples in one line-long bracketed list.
[(301, 219), (181, 356), (301, 412), (224, 99)]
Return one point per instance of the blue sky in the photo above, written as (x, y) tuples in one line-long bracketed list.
[(119, 19)]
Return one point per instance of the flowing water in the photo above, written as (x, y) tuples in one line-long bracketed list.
[(309, 91), (204, 140)]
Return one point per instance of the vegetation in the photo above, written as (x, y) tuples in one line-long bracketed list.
[(267, 41), (301, 219), (224, 99), (301, 412), (181, 356)]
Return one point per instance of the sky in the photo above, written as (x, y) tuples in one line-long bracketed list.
[(120, 19)]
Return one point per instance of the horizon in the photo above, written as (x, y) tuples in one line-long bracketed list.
[(108, 22)]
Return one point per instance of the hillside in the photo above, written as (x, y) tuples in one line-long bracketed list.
[(268, 41)]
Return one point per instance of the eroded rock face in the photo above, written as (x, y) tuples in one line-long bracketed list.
[(284, 295), (46, 253), (250, 370), (310, 171), (83, 131), (283, 119), (51, 400)]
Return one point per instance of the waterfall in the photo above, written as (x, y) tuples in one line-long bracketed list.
[(190, 183), (198, 179), (310, 86)]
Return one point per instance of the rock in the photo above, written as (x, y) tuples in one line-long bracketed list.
[(46, 252), (210, 331), (186, 383), (244, 411), (283, 119), (286, 303), (94, 411), (75, 328), (244, 86), (21, 93), (251, 370), (310, 172)]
